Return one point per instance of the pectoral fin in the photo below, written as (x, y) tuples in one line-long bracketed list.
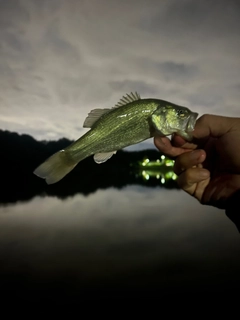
[(103, 157)]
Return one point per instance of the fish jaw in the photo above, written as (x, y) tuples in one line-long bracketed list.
[(191, 122), (188, 133)]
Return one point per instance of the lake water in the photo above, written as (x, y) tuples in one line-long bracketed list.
[(132, 242)]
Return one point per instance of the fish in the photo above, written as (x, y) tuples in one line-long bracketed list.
[(129, 122)]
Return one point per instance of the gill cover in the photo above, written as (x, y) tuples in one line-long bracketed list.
[(171, 119)]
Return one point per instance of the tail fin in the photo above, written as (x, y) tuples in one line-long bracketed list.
[(55, 167)]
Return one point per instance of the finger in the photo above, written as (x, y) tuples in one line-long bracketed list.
[(165, 146), (178, 141), (220, 189), (194, 181), (189, 160), (214, 126)]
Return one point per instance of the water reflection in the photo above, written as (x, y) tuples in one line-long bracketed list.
[(137, 241), (161, 169), (87, 177)]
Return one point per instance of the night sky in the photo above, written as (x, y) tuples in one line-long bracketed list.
[(61, 58)]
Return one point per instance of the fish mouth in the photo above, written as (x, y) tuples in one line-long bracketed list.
[(192, 121)]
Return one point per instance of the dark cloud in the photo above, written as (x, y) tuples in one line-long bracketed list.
[(177, 71), (11, 13), (189, 17), (127, 86), (60, 47)]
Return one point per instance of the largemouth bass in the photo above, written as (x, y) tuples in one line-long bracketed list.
[(131, 121)]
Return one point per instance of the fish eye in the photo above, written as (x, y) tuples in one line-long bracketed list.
[(180, 113)]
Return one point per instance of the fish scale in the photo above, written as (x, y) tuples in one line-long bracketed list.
[(131, 121)]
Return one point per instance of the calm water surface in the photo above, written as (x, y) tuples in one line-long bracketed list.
[(133, 242)]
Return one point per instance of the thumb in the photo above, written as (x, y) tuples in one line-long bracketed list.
[(212, 125)]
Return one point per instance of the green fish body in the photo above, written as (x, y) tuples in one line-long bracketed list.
[(131, 121)]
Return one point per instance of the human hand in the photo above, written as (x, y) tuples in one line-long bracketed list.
[(208, 168)]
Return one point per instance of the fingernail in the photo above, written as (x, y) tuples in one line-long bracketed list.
[(203, 174), (195, 155)]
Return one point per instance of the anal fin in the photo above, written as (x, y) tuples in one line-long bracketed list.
[(103, 157)]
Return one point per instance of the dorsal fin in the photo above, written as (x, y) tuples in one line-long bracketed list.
[(93, 116), (127, 99)]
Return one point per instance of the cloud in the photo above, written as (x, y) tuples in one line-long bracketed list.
[(60, 59)]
